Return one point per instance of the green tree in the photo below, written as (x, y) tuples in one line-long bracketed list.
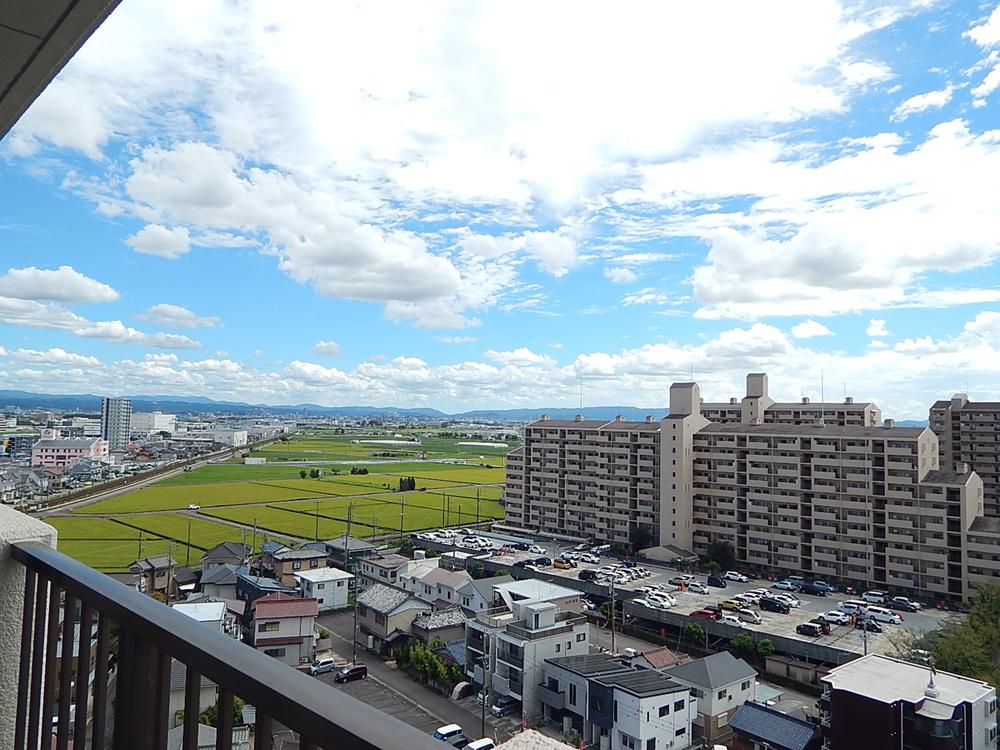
[(477, 571), (743, 644), (314, 473), (765, 648), (970, 647), (721, 553), (713, 566), (303, 473), (210, 716), (641, 537), (693, 631), (406, 546)]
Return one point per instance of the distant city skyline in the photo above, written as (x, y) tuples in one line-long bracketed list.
[(472, 208)]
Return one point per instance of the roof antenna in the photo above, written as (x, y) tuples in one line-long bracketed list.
[(822, 400)]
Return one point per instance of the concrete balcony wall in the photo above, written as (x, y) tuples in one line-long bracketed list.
[(14, 527)]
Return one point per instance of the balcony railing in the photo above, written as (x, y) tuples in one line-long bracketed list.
[(126, 706)]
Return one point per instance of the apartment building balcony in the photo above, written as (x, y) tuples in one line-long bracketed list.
[(897, 537), (514, 659), (555, 699), (48, 598)]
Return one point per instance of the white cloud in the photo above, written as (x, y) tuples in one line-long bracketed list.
[(865, 72), (809, 329), (923, 102), (876, 327), (457, 339), (327, 348), (63, 284), (119, 333), (647, 296), (521, 356), (555, 252), (156, 239), (619, 275), (175, 316), (258, 353), (990, 83), (54, 356), (987, 33)]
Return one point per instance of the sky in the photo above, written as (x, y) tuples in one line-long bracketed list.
[(497, 205)]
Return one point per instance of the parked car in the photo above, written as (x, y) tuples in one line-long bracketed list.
[(774, 605), (823, 585), (504, 705), (748, 600), (640, 602), (717, 581), (589, 558), (903, 604), (852, 606), (352, 672), (731, 620), (885, 615), (824, 626), (484, 744), (536, 550), (563, 564), (703, 614), (875, 597), (732, 604), (543, 562), (449, 733), (864, 623), (732, 575), (749, 615), (797, 580), (809, 629), (465, 532), (785, 586), (809, 588), (682, 580), (697, 588), (192, 506), (587, 574), (836, 618), (601, 549), (581, 547), (790, 599), (321, 666), (569, 556)]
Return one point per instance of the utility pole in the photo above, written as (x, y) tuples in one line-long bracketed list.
[(374, 527), (139, 555), (443, 499), (187, 557), (402, 511), (612, 584), (347, 539), (316, 538), (354, 634), (477, 506)]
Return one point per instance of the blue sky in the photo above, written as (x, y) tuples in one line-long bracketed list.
[(485, 206)]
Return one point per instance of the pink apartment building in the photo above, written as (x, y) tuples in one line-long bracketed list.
[(57, 453)]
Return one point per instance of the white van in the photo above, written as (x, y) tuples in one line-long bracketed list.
[(448, 733), (484, 744), (320, 666), (875, 597), (884, 615), (852, 606)]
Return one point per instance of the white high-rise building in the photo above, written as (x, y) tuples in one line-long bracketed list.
[(150, 422), (116, 422)]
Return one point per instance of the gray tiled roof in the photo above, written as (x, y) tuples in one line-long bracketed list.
[(445, 618), (713, 671), (222, 575), (178, 674), (298, 554), (987, 524), (237, 550), (384, 599), (777, 729)]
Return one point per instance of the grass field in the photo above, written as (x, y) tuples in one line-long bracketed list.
[(79, 527), (205, 534), (114, 556), (162, 497), (236, 472), (283, 521), (421, 511)]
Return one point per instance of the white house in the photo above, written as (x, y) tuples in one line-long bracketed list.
[(476, 595), (215, 615), (721, 683), (283, 627), (438, 586), (328, 586)]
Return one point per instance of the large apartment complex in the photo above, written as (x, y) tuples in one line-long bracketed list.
[(814, 488), (116, 422), (969, 433)]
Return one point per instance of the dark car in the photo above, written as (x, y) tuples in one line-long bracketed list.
[(543, 561), (587, 574), (872, 625), (812, 588), (773, 605), (823, 625), (718, 581), (903, 604), (748, 573), (350, 673), (703, 614), (822, 585), (523, 546), (810, 629)]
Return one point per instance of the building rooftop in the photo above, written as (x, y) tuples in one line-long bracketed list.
[(178, 675), (532, 739), (353, 544), (887, 680), (236, 550), (533, 588), (221, 575), (261, 582), (986, 524), (203, 611), (75, 443), (589, 665), (485, 585), (450, 578), (642, 682), (153, 563), (280, 606), (663, 657), (389, 562), (935, 476), (384, 599), (298, 554), (321, 575), (445, 618), (713, 671), (777, 729), (809, 430)]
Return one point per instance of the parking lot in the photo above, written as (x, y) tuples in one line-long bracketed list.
[(843, 637)]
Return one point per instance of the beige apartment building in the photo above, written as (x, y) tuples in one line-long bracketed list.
[(818, 491), (969, 433)]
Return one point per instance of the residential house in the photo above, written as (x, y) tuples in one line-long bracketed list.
[(267, 550), (876, 701), (220, 581), (156, 575), (476, 595), (283, 626), (437, 586), (380, 569), (615, 706), (534, 589), (207, 695), (234, 607), (288, 562), (758, 727), (386, 615), (215, 615), (235, 554), (250, 588), (507, 647), (328, 586), (355, 550), (444, 625), (659, 658), (185, 579), (207, 738), (721, 683)]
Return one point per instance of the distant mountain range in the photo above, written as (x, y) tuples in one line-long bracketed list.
[(202, 405)]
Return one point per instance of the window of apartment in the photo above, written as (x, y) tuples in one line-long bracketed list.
[(721, 694), (297, 565), (665, 710), (572, 694), (679, 705), (680, 732), (267, 627), (614, 711), (651, 743), (628, 741), (580, 637), (558, 647), (379, 618), (314, 563), (276, 652), (362, 610), (745, 685), (569, 645), (321, 585), (339, 584)]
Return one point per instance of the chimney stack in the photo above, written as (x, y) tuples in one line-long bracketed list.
[(732, 399), (849, 400), (889, 424), (805, 399)]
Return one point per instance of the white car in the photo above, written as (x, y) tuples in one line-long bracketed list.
[(643, 573), (732, 575), (783, 586), (881, 614), (659, 604), (661, 597), (836, 618), (192, 506), (748, 599), (645, 590), (788, 599), (697, 588), (536, 550), (589, 558), (731, 620), (642, 603)]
